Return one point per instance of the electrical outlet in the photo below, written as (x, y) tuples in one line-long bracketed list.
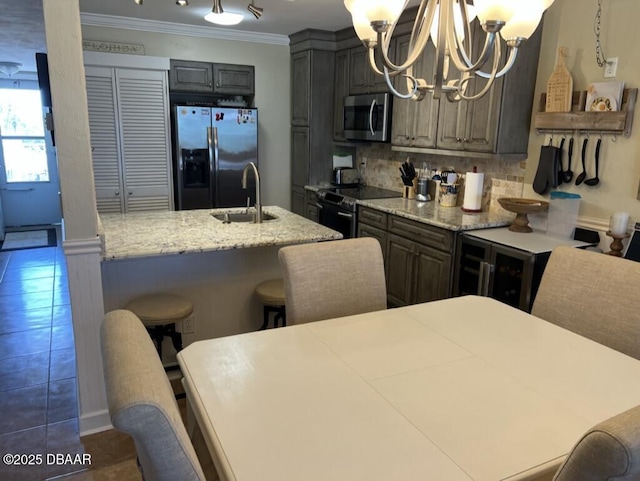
[(189, 325), (611, 67)]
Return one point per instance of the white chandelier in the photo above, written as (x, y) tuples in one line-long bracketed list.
[(447, 23)]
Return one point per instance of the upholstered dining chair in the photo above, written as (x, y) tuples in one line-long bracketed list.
[(333, 279), (594, 295), (142, 403), (610, 451)]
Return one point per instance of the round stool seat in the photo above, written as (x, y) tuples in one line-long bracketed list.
[(271, 293), (161, 308)]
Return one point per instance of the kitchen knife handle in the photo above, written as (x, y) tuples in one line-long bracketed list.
[(373, 106)]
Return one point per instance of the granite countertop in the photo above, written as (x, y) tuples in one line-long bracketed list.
[(163, 233), (451, 218)]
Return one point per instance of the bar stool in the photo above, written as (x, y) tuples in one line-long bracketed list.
[(271, 294), (159, 313)]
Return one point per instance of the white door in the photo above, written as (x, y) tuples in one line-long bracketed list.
[(29, 184)]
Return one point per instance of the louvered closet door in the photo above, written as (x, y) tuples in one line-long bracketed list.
[(102, 103), (144, 134)]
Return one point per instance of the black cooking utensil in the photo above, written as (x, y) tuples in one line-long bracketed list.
[(596, 179), (583, 174), (560, 154), (567, 175)]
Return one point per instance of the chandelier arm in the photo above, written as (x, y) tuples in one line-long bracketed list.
[(413, 56), (461, 58), (441, 49), (396, 92), (513, 53), (490, 80), (374, 65)]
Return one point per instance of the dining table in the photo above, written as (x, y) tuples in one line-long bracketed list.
[(465, 388)]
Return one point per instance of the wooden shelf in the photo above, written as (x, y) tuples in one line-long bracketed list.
[(617, 123)]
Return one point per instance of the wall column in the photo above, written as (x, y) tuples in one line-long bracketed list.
[(81, 243)]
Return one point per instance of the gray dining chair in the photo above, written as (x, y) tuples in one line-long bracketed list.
[(610, 451), (594, 295), (333, 279), (142, 403)]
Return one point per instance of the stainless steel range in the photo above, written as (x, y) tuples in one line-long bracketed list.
[(337, 206)]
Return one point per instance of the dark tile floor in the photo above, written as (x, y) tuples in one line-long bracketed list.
[(38, 402)]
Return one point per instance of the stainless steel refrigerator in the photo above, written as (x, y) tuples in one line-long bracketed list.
[(212, 146)]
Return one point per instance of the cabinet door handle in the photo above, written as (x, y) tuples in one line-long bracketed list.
[(117, 193), (130, 193), (488, 271), (465, 140), (458, 139), (343, 214)]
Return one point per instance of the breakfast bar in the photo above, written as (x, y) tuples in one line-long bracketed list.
[(197, 255), (459, 389)]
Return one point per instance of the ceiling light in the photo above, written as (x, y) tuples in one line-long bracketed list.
[(182, 3), (139, 2), (220, 17), (10, 68), (447, 22), (256, 11)]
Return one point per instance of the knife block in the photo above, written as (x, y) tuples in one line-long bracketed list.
[(409, 191)]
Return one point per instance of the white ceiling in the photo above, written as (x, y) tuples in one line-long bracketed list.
[(22, 24)]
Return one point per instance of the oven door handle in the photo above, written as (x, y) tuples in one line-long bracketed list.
[(344, 214), (319, 205), (373, 106)]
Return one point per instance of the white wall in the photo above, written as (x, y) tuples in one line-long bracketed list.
[(272, 98), (569, 23)]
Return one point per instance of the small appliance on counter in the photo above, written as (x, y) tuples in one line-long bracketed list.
[(345, 176)]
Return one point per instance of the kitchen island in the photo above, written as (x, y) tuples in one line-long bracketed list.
[(193, 254)]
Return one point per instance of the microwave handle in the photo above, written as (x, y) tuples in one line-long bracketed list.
[(371, 109)]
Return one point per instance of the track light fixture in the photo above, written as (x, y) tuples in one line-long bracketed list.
[(182, 3), (220, 17), (138, 2), (10, 68), (256, 11)]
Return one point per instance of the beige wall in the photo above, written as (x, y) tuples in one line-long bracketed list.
[(273, 91), (569, 23)]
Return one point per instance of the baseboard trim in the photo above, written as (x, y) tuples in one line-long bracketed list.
[(94, 422)]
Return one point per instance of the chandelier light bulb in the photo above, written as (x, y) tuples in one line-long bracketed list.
[(457, 17), (382, 10), (497, 10), (362, 26), (524, 21)]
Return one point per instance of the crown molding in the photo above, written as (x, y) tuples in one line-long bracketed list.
[(156, 26)]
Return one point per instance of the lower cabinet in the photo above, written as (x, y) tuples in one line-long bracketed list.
[(311, 211), (418, 257)]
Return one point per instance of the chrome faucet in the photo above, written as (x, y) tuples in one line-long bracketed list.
[(244, 186)]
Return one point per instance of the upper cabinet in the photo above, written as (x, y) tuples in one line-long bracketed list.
[(362, 79), (233, 79), (415, 123), (211, 78), (186, 76), (341, 85), (497, 123)]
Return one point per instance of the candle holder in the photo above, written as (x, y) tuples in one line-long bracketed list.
[(616, 245)]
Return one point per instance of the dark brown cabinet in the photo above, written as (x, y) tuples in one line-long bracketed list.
[(312, 206), (188, 76), (418, 257), (362, 78), (211, 78), (233, 79), (497, 123), (312, 77), (341, 84), (415, 123)]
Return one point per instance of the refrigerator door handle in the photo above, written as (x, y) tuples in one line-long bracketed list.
[(212, 144)]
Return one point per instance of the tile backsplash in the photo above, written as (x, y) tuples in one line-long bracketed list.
[(379, 166)]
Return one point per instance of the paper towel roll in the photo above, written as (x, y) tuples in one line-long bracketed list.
[(473, 192)]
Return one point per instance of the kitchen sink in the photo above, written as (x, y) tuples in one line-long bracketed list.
[(231, 217)]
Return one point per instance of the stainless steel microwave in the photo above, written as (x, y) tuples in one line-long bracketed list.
[(367, 117)]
